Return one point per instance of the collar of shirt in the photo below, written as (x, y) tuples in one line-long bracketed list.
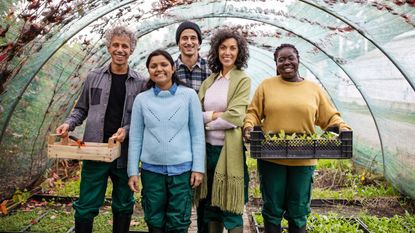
[(227, 76), (198, 62), (107, 69), (172, 89)]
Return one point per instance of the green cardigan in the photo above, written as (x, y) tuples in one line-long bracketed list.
[(228, 181)]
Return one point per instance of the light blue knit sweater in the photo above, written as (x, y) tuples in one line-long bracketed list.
[(167, 129)]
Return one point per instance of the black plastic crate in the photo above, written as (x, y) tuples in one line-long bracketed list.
[(340, 148)]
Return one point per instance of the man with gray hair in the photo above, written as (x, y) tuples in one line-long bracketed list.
[(106, 102)]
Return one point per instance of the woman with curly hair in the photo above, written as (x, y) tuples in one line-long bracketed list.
[(225, 96)]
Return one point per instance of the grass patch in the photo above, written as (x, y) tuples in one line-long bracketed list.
[(18, 220), (55, 221)]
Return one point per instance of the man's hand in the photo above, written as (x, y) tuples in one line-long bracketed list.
[(133, 184), (62, 130), (247, 133), (119, 135), (196, 179)]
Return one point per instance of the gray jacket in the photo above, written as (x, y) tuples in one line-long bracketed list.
[(92, 105)]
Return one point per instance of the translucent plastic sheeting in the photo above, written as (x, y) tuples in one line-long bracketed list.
[(360, 51)]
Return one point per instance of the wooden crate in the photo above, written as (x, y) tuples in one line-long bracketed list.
[(105, 152)]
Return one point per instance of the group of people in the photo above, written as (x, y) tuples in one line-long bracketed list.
[(182, 133)]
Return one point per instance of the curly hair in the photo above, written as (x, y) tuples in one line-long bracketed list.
[(279, 48), (120, 31), (213, 57), (165, 54)]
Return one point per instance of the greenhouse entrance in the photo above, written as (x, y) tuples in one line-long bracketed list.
[(361, 52)]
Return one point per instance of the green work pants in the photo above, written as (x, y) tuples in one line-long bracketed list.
[(94, 179), (286, 192), (167, 200), (213, 213)]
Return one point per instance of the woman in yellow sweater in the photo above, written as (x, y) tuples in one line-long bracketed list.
[(290, 103)]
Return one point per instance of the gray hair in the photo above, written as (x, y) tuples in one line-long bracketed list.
[(120, 31)]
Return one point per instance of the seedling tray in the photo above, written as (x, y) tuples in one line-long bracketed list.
[(105, 152), (339, 148)]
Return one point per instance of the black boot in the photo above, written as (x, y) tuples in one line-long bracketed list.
[(271, 228), (292, 228), (121, 223), (83, 226), (215, 227), (155, 230)]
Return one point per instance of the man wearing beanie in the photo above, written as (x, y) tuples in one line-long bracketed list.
[(190, 67)]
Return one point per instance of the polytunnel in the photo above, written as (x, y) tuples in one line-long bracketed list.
[(360, 51)]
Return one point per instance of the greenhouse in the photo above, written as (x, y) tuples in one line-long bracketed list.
[(361, 52)]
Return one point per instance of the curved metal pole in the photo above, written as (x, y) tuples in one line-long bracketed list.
[(175, 21), (344, 20), (308, 41), (51, 49)]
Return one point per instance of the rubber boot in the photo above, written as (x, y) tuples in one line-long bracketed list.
[(236, 230), (178, 231), (215, 227), (155, 230), (271, 228), (83, 226), (121, 223), (292, 228)]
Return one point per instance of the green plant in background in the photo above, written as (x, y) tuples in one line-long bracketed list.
[(21, 196), (56, 221), (252, 164), (16, 221), (255, 192), (341, 164), (396, 224), (331, 223)]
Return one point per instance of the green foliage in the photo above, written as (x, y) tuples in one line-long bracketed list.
[(396, 224), (21, 196), (255, 192), (331, 223), (321, 223), (280, 138), (55, 221), (251, 163), (346, 193), (342, 164), (356, 190), (258, 219), (18, 220)]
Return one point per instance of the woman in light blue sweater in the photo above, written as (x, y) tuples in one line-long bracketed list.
[(167, 137)]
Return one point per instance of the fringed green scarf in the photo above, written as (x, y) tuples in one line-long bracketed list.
[(228, 181)]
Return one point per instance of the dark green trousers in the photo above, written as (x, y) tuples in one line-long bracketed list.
[(286, 192), (94, 179), (167, 200), (213, 213)]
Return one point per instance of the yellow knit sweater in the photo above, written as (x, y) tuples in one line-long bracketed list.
[(295, 107)]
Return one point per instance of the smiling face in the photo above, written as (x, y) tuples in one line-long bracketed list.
[(228, 52), (120, 50), (161, 71), (189, 43), (287, 64)]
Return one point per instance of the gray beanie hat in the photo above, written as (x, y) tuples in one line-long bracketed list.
[(188, 25)]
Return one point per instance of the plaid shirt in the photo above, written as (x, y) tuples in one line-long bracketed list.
[(194, 78)]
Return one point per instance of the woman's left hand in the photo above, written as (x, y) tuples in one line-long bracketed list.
[(196, 179)]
